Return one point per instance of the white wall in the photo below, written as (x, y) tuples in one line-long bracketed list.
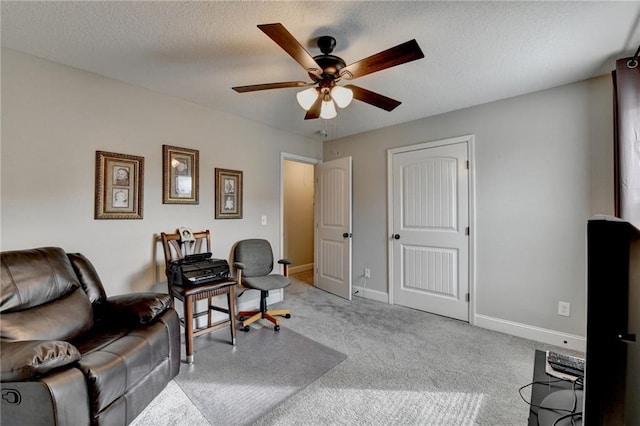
[(54, 118), (543, 166)]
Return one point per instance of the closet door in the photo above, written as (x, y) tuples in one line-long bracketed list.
[(430, 220)]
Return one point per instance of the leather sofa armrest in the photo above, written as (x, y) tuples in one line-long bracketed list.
[(25, 359), (133, 309)]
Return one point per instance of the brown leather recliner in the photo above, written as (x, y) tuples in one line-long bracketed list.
[(72, 356)]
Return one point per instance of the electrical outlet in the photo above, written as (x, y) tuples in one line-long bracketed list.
[(564, 308), (367, 273), (264, 220)]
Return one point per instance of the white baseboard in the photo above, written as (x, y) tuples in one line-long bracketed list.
[(368, 293), (300, 268), (538, 334), (551, 337)]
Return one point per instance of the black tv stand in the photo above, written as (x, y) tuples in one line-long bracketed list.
[(558, 401), (549, 392)]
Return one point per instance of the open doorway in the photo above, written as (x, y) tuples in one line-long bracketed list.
[(298, 215)]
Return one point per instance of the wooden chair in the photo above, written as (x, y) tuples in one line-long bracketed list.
[(175, 249)]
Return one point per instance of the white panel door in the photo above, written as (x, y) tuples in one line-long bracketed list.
[(430, 244), (333, 227)]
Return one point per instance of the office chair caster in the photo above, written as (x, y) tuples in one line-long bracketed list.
[(276, 328), (287, 316), (246, 328)]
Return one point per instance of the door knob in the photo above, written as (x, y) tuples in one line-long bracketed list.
[(347, 235), (396, 236)]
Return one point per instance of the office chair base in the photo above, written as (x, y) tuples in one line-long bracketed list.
[(249, 317)]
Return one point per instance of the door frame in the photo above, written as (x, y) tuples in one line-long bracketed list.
[(470, 141), (285, 156)]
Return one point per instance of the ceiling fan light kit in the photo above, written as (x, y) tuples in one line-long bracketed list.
[(338, 94), (328, 109), (307, 98), (326, 70), (342, 96)]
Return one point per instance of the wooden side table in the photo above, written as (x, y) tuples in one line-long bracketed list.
[(190, 294)]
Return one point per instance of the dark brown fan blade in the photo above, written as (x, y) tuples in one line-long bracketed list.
[(267, 86), (314, 111), (400, 54), (373, 98), (284, 39)]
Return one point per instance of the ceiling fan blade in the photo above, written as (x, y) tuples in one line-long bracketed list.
[(400, 54), (373, 98), (284, 39), (267, 86), (314, 111)]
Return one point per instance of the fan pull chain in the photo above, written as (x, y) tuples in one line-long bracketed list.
[(634, 62)]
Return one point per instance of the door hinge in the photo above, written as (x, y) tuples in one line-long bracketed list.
[(467, 164), (466, 231), (468, 297)]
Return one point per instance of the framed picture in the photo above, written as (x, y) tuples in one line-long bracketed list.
[(180, 175), (119, 191), (228, 194), (186, 234)]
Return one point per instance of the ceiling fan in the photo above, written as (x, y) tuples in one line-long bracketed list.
[(326, 70)]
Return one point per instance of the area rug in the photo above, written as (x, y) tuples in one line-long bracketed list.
[(238, 385)]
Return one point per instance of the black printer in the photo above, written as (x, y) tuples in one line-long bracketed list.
[(198, 269)]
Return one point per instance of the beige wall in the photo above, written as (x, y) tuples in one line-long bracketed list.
[(298, 214), (54, 118), (543, 166)]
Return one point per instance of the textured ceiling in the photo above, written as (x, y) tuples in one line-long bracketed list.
[(475, 52)]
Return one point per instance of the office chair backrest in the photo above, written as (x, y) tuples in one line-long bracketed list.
[(176, 249), (257, 255)]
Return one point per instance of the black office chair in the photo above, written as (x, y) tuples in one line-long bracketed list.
[(253, 260)]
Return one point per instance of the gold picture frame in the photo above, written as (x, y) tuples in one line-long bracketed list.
[(180, 173), (228, 194), (118, 186)]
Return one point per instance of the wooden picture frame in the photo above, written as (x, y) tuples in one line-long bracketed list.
[(118, 186), (228, 194), (180, 175)]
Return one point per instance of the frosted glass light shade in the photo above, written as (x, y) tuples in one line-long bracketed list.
[(342, 96), (307, 97), (328, 110)]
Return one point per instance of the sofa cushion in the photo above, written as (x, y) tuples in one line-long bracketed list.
[(26, 359), (34, 277), (112, 368), (62, 319), (88, 277), (41, 297)]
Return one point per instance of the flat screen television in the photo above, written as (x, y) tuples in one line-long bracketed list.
[(612, 368)]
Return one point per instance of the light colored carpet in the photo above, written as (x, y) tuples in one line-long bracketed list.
[(403, 367), (171, 407), (237, 385), (305, 276)]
